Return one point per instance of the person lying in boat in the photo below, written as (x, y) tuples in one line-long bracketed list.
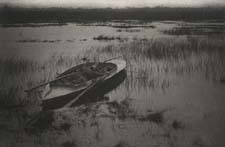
[(85, 60), (92, 71)]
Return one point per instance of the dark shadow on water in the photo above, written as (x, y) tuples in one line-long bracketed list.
[(33, 25), (206, 30), (97, 93), (94, 95), (222, 80)]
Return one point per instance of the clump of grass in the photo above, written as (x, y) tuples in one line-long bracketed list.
[(121, 110), (199, 142), (129, 30), (33, 25), (107, 38), (207, 30), (40, 122), (222, 80), (126, 26), (177, 125), (65, 126), (39, 41), (156, 117), (122, 144), (68, 144)]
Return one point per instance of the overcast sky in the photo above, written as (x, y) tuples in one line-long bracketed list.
[(113, 3)]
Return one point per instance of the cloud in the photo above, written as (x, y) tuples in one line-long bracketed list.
[(113, 3)]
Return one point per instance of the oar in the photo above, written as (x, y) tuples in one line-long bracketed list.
[(89, 87), (112, 58), (43, 84), (85, 91)]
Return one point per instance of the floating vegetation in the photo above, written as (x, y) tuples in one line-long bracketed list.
[(129, 30), (125, 26), (177, 125), (69, 144), (83, 40), (108, 38), (121, 110), (33, 25), (40, 41), (208, 30), (64, 127), (222, 80), (70, 40), (156, 117), (47, 41), (199, 142), (122, 144)]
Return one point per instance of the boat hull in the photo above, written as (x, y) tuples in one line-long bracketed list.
[(95, 94), (63, 95)]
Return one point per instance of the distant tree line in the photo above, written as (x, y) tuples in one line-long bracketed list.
[(62, 15)]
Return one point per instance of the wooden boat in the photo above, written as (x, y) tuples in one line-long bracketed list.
[(79, 79)]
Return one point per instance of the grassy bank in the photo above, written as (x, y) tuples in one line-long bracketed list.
[(10, 15)]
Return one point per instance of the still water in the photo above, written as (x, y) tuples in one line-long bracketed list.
[(40, 42), (183, 96)]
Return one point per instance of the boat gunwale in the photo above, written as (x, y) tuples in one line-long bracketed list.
[(116, 71)]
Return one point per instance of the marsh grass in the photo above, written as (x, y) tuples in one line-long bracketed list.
[(154, 63), (69, 144), (19, 108), (109, 38), (147, 60), (151, 64), (129, 30), (207, 30), (41, 41), (122, 144), (17, 74)]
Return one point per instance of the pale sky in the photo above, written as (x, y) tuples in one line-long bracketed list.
[(113, 3)]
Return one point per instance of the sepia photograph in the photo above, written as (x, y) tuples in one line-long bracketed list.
[(112, 73)]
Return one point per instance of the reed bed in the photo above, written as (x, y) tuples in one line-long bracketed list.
[(152, 64)]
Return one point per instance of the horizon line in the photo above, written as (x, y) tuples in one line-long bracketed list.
[(2, 5)]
